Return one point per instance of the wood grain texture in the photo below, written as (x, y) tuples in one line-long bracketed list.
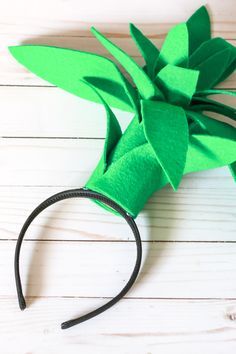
[(101, 269), (158, 326), (76, 255), (38, 105)]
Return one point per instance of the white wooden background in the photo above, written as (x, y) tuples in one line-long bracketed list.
[(77, 256)]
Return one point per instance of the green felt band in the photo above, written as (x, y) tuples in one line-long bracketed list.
[(170, 134)]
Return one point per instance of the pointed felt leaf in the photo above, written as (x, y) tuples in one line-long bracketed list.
[(208, 49), (205, 104), (178, 84), (65, 68), (215, 92), (132, 137), (113, 133), (131, 180), (212, 69), (166, 130), (206, 152), (175, 48), (148, 50), (230, 67), (144, 84), (212, 126), (199, 28)]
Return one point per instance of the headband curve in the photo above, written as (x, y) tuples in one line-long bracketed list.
[(88, 194)]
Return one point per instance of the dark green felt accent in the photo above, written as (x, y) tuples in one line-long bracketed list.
[(199, 28), (170, 134), (208, 49), (215, 92), (205, 104), (213, 126), (212, 48), (148, 50), (212, 69)]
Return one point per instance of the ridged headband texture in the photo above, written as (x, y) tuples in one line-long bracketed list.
[(171, 133)]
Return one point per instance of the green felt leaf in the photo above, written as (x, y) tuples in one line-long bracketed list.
[(65, 68), (230, 67), (213, 126), (132, 137), (144, 84), (199, 28), (215, 92), (131, 180), (113, 133), (212, 69), (175, 48), (178, 84), (148, 50), (205, 104), (206, 152), (166, 129), (208, 49), (209, 52)]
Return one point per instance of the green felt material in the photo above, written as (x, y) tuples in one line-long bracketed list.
[(148, 50), (166, 130), (144, 84), (178, 84), (113, 133), (175, 48), (170, 133), (208, 49), (131, 138), (212, 69), (66, 68), (206, 152), (199, 28), (205, 104), (211, 53), (213, 126), (215, 92)]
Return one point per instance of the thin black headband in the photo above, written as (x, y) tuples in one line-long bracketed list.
[(80, 193)]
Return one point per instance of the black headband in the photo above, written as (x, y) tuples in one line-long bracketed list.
[(88, 194)]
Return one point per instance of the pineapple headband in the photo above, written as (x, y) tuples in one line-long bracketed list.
[(169, 135)]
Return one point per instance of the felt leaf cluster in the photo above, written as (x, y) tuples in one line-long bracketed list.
[(171, 133)]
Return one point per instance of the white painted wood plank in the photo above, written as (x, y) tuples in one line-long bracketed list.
[(61, 14), (192, 214), (51, 112), (101, 269), (132, 326), (69, 162)]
